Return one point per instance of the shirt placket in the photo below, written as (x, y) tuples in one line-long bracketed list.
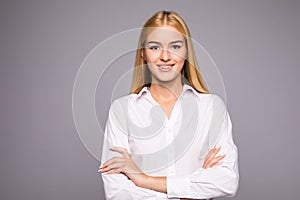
[(171, 149)]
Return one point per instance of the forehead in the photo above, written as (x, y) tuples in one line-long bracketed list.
[(164, 33)]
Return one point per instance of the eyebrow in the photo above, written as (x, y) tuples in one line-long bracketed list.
[(155, 42)]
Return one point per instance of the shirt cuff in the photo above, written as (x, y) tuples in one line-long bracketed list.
[(178, 186)]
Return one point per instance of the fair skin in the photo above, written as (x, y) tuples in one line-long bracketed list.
[(165, 53)]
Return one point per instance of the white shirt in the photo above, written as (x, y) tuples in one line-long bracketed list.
[(174, 147)]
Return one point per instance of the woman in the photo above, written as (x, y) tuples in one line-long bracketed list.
[(169, 138)]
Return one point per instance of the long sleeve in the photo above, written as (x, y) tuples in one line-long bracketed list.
[(216, 181), (118, 186)]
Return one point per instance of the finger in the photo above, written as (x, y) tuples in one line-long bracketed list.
[(215, 165), (105, 169), (109, 170), (112, 160), (211, 162), (215, 161), (121, 150), (205, 163), (211, 154), (116, 171), (114, 166)]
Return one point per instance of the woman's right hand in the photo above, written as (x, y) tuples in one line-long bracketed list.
[(211, 159)]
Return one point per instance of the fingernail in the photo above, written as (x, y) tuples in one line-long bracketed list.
[(103, 166)]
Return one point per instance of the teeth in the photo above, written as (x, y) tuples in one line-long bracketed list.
[(164, 67)]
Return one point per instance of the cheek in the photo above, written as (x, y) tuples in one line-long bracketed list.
[(151, 57), (179, 59), (152, 68), (179, 56)]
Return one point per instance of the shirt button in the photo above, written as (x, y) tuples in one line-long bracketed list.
[(172, 171), (167, 125)]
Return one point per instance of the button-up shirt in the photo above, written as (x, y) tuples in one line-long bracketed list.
[(174, 147)]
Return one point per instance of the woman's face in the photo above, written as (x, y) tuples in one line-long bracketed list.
[(165, 52)]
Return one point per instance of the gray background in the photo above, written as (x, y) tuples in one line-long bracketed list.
[(254, 43)]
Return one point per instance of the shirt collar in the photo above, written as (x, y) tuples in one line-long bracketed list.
[(188, 87), (185, 88), (143, 90)]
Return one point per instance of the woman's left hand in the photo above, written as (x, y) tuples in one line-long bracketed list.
[(211, 159), (125, 165)]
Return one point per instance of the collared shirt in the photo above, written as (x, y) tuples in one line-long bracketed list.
[(174, 147)]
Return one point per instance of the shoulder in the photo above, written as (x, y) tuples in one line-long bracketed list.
[(218, 105), (214, 101), (202, 97), (214, 98), (123, 102), (209, 96)]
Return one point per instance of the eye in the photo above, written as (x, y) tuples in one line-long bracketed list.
[(175, 46), (155, 47)]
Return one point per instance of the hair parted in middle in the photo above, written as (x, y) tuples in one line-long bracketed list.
[(190, 71)]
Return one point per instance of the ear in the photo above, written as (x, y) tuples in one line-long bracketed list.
[(143, 54)]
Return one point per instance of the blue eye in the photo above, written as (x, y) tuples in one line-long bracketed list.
[(154, 47), (175, 46)]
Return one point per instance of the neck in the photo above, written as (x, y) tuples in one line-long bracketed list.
[(166, 90)]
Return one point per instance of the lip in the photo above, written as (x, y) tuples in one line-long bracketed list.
[(165, 67), (165, 64)]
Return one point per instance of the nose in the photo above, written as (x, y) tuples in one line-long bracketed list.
[(165, 55)]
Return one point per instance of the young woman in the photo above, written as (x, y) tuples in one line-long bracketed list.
[(170, 138)]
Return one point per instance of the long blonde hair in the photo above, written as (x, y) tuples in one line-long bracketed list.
[(190, 72)]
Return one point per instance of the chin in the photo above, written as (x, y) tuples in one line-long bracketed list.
[(167, 78)]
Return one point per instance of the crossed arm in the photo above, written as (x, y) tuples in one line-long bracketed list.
[(126, 165), (124, 180)]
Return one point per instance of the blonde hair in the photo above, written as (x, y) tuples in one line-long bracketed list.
[(190, 71)]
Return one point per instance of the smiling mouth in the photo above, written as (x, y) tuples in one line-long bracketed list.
[(165, 67)]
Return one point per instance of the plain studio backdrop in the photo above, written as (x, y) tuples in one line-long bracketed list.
[(255, 45)]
